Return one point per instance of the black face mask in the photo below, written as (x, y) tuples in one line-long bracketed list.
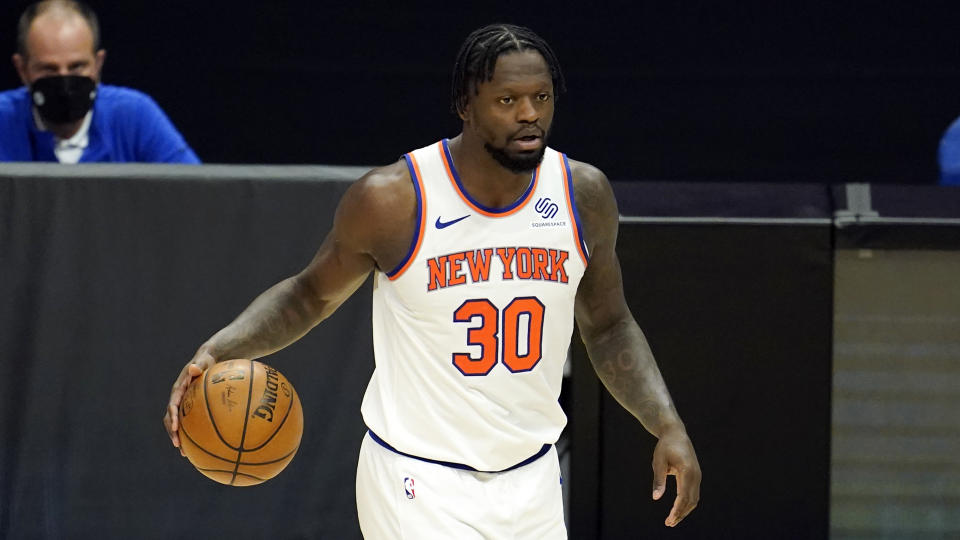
[(63, 98)]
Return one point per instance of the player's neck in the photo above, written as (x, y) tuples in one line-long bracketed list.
[(487, 181)]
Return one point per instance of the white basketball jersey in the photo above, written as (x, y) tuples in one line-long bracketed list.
[(472, 329)]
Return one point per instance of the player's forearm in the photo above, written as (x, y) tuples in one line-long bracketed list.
[(624, 363), (278, 317)]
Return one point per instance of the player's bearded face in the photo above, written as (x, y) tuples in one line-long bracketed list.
[(519, 161), (512, 112)]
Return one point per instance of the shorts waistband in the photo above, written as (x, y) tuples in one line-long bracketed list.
[(543, 450)]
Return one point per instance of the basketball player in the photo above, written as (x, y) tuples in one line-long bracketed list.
[(484, 249)]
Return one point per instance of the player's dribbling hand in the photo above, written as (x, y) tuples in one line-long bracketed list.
[(171, 417), (674, 455)]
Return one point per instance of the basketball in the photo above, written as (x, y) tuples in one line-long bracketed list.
[(240, 422)]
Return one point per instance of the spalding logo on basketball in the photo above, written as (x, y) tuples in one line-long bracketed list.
[(240, 422)]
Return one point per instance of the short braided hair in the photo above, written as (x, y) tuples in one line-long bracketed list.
[(478, 58)]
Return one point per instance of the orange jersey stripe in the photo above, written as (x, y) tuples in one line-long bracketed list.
[(575, 225)]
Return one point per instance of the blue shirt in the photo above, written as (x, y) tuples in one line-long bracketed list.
[(949, 155), (127, 126)]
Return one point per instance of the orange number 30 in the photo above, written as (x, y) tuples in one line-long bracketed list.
[(522, 343)]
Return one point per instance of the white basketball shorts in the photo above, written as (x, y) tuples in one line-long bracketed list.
[(404, 498)]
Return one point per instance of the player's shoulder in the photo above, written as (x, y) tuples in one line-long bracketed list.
[(382, 185), (380, 194), (387, 176), (378, 213), (591, 187), (586, 173)]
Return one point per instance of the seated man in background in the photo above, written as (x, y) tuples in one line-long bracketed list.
[(63, 113)]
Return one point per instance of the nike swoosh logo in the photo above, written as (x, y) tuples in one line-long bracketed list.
[(445, 224)]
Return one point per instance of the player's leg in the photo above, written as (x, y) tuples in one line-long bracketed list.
[(535, 496), (376, 506), (399, 497), (402, 498)]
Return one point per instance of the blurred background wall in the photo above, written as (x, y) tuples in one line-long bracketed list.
[(698, 90)]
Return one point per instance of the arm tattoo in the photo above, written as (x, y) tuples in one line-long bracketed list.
[(626, 367), (275, 319)]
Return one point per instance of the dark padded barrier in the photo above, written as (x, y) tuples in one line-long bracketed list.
[(733, 291), (109, 280)]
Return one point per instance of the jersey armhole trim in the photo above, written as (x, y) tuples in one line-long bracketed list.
[(417, 240), (572, 208)]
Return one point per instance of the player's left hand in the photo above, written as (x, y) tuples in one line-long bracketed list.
[(674, 455)]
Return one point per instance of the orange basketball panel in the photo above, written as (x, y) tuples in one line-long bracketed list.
[(195, 424), (271, 399), (265, 470), (203, 458), (227, 477), (273, 441), (228, 389)]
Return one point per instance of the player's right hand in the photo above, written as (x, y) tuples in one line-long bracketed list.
[(171, 417)]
